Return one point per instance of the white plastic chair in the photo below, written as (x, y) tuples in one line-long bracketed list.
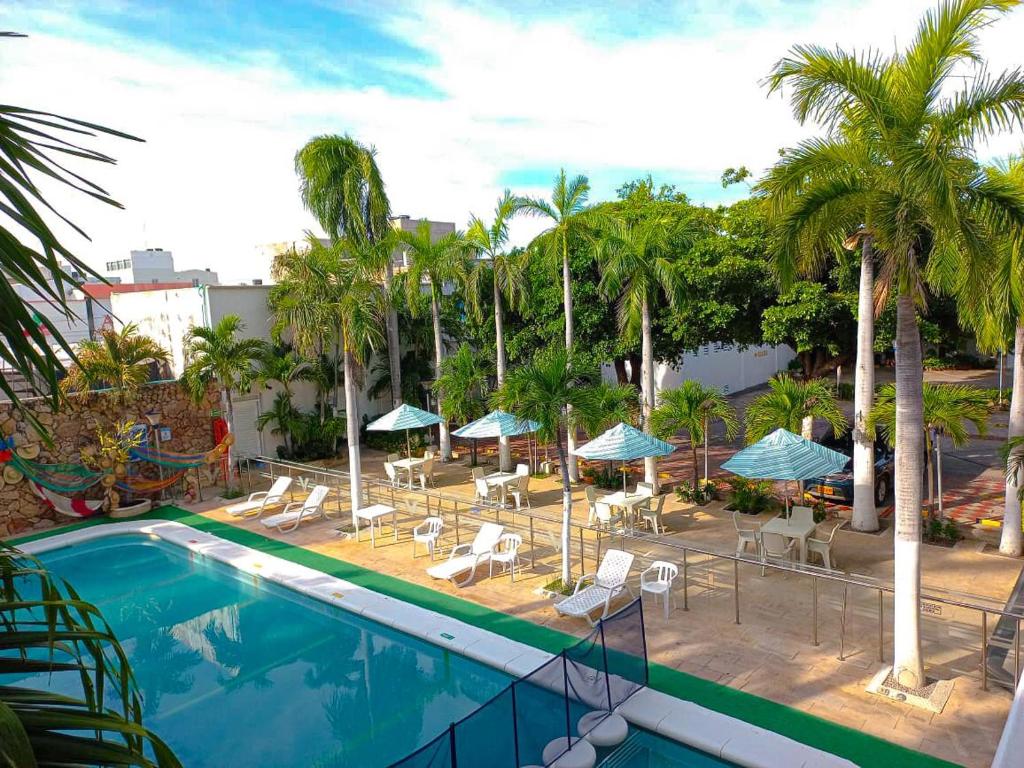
[(745, 535), (522, 469), (260, 500), (428, 533), (802, 515), (657, 580), (392, 473), (476, 472), (775, 546), (644, 489), (598, 512), (427, 471), (521, 491), (650, 511), (311, 507), (506, 554), (393, 457), (823, 546), (485, 491), (607, 583)]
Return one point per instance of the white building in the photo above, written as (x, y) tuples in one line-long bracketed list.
[(169, 314), (155, 265), (724, 366)]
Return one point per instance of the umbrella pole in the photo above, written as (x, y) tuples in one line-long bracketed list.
[(408, 446)]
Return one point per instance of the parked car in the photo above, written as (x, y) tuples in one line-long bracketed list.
[(839, 486)]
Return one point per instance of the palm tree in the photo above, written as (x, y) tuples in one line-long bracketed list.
[(283, 365), (509, 282), (343, 188), (899, 166), (946, 408), (439, 262), (462, 387), (789, 404), (637, 262), (550, 391), (692, 408), (567, 214), (284, 416), (120, 360), (218, 354), (100, 725)]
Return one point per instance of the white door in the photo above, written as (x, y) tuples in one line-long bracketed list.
[(248, 440)]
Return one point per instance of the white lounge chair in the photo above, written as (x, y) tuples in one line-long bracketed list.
[(294, 513), (606, 584), (260, 500), (466, 557)]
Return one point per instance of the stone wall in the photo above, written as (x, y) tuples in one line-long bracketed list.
[(74, 427)]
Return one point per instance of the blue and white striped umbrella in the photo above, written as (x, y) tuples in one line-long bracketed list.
[(404, 417), (496, 424), (785, 456), (623, 443)]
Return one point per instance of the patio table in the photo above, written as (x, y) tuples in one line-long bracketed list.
[(409, 465), (374, 513), (791, 529), (625, 501), (502, 480)]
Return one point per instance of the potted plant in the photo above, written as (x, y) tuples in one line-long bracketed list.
[(111, 455)]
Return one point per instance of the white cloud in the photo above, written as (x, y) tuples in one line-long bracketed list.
[(214, 178)]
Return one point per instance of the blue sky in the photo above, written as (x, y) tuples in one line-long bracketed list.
[(461, 99)]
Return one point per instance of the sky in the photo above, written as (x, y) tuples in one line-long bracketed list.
[(461, 100)]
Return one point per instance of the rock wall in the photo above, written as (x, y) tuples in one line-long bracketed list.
[(73, 428)]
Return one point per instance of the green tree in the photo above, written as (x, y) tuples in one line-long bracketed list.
[(567, 214), (38, 148), (438, 261), (555, 393), (692, 407), (793, 405), (218, 355), (342, 186), (816, 322), (947, 409), (284, 417), (898, 175), (285, 366), (120, 360), (508, 282), (462, 387)]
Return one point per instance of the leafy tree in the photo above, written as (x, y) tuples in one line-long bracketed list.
[(553, 391), (284, 417), (898, 176), (691, 408), (507, 281), (567, 214), (121, 360), (947, 409), (462, 387), (36, 147), (793, 405), (342, 186), (439, 262), (282, 364), (217, 354), (814, 321)]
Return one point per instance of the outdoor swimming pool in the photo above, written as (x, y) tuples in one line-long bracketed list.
[(236, 670), (238, 675)]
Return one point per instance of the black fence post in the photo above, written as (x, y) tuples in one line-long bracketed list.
[(568, 717), (604, 652), (451, 745), (515, 725), (643, 639)]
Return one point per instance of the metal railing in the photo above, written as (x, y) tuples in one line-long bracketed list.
[(534, 525)]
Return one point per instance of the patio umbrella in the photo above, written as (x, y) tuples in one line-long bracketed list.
[(785, 456), (496, 424), (624, 443), (404, 417)]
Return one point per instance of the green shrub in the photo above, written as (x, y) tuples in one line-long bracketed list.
[(702, 494), (750, 497)]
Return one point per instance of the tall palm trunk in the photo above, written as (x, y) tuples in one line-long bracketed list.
[(566, 510), (1010, 541), (352, 433), (572, 465), (865, 516), (394, 344), (504, 450), (442, 428), (647, 394), (229, 418), (907, 665)]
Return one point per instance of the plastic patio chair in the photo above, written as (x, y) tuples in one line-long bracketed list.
[(426, 470), (391, 472), (657, 580), (427, 533), (823, 546), (650, 511), (745, 535), (506, 554), (521, 491), (775, 546)]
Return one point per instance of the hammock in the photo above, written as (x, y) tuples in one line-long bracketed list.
[(141, 485), (62, 478), (173, 459), (66, 506)]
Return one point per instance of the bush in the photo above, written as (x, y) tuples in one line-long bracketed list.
[(603, 477), (956, 360), (702, 494), (750, 497), (939, 532), (844, 391)]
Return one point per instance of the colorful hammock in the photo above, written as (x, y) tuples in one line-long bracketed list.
[(66, 506), (178, 460), (142, 485)]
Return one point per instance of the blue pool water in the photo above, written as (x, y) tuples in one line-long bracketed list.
[(238, 675)]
